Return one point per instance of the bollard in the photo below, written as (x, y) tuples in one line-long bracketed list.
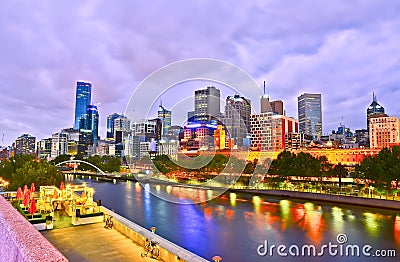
[(217, 258), (153, 229)]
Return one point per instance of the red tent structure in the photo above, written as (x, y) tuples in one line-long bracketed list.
[(33, 187), (27, 196), (62, 185), (19, 193), (32, 208)]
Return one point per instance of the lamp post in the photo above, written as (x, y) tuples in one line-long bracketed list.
[(153, 229)]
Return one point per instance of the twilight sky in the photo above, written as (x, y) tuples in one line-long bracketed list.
[(345, 50)]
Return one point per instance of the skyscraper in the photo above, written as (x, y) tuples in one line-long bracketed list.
[(93, 122), (310, 115), (277, 107), (237, 118), (207, 104), (374, 109), (165, 116), (83, 99), (24, 144), (110, 124)]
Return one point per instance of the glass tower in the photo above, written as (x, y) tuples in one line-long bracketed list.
[(310, 115), (93, 122), (83, 100), (165, 116)]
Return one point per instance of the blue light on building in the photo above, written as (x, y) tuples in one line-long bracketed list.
[(83, 100)]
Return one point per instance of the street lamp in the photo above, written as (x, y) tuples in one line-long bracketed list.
[(217, 258)]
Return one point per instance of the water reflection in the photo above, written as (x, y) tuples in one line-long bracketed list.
[(234, 224)]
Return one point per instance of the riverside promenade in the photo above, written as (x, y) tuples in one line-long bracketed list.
[(124, 242), (93, 242)]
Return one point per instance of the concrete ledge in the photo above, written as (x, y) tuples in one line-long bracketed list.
[(348, 200), (20, 241), (40, 227), (168, 251), (86, 220)]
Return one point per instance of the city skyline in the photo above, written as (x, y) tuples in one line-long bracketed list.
[(345, 60)]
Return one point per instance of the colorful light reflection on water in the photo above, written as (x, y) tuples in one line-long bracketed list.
[(234, 224)]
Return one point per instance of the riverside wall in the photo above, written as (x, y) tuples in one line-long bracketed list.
[(169, 251), (348, 200), (20, 241)]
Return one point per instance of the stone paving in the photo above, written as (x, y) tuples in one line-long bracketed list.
[(94, 243)]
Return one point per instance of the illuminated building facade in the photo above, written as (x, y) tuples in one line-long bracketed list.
[(44, 148), (198, 136), (24, 144), (384, 131), (270, 132), (237, 118), (83, 100), (310, 115)]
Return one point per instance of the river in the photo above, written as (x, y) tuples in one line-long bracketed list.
[(238, 227)]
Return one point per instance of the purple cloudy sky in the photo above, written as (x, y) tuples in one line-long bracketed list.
[(344, 50)]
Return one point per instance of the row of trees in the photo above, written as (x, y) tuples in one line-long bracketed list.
[(304, 165), (382, 169), (22, 170)]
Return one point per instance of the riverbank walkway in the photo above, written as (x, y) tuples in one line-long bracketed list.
[(93, 242)]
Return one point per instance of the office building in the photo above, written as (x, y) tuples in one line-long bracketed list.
[(83, 100), (43, 148), (59, 144), (237, 118), (207, 104), (384, 131), (92, 122), (362, 138), (121, 127), (165, 116), (25, 144), (73, 140), (110, 125), (374, 109), (277, 107), (310, 115)]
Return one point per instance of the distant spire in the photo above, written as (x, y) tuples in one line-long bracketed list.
[(264, 87), (373, 97)]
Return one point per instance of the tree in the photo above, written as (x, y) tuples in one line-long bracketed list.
[(41, 173)]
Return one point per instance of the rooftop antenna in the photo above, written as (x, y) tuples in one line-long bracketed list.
[(264, 87)]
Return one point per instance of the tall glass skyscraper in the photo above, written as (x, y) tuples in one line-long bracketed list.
[(165, 116), (93, 122), (310, 114), (83, 100)]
